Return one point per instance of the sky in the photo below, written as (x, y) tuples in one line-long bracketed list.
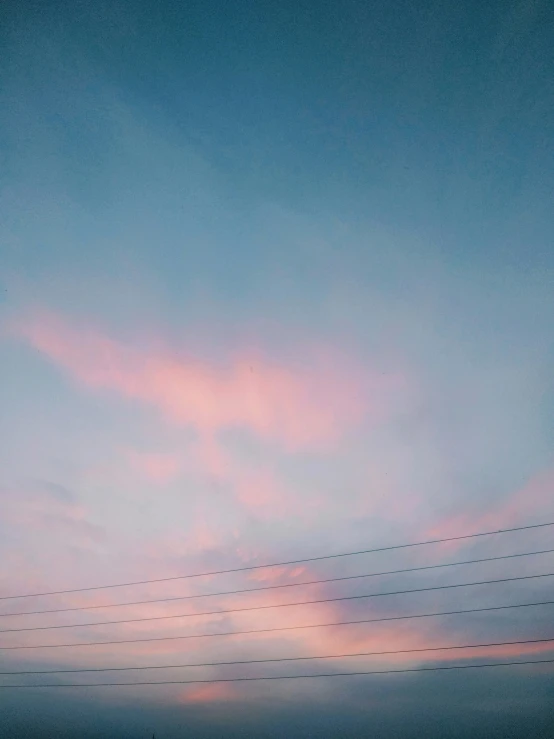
[(276, 282)]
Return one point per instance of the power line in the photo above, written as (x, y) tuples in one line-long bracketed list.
[(276, 605), (283, 564), (281, 659), (283, 677), (276, 587), (279, 628)]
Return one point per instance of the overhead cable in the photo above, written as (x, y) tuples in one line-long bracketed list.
[(224, 611), (282, 564), (283, 677), (277, 587), (448, 647), (279, 628)]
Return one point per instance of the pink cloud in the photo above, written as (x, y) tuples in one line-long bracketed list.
[(195, 540), (39, 510), (315, 642), (260, 491), (277, 573), (213, 459), (256, 487), (533, 500), (159, 468), (306, 406)]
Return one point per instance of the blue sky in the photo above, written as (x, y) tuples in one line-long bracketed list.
[(276, 281)]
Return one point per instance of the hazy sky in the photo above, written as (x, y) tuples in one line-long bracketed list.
[(276, 281)]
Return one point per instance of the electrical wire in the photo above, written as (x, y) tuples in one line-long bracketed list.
[(283, 564), (281, 659), (283, 677), (276, 605), (277, 587), (279, 628)]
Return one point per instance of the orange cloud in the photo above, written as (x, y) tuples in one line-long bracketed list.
[(299, 407), (215, 693)]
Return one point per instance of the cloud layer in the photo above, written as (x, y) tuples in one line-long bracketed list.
[(301, 407)]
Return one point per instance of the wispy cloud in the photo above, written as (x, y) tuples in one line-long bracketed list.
[(44, 507), (156, 467), (299, 407)]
